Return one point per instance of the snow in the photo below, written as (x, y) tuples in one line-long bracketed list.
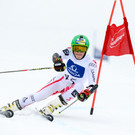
[(31, 31)]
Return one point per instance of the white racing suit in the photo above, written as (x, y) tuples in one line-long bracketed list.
[(69, 82)]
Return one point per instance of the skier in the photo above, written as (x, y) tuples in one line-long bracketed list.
[(69, 82)]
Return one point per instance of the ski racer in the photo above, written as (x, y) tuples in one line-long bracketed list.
[(78, 68)]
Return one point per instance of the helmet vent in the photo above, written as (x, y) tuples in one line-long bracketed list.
[(81, 36)]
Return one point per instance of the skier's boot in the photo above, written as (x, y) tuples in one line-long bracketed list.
[(53, 105), (14, 106)]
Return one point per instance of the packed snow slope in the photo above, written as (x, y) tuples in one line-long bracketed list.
[(31, 31)]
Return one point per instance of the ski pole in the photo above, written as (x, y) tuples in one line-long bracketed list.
[(67, 106), (13, 71)]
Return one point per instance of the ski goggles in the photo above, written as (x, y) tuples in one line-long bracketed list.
[(79, 48)]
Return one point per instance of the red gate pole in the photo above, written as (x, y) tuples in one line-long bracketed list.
[(101, 60), (129, 40)]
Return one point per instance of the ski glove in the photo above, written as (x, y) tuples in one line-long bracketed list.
[(59, 66), (84, 95)]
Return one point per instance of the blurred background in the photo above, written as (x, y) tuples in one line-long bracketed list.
[(41, 27)]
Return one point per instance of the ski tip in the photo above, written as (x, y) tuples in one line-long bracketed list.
[(7, 113), (10, 114), (49, 117)]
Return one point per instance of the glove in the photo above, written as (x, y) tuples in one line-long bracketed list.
[(84, 95), (59, 66), (92, 88)]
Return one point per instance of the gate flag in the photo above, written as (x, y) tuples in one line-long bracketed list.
[(117, 40)]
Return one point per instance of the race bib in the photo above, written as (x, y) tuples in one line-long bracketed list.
[(75, 69)]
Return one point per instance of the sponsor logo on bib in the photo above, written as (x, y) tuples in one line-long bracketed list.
[(75, 69)]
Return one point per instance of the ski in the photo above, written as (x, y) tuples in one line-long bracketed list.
[(7, 113), (46, 116), (10, 113)]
